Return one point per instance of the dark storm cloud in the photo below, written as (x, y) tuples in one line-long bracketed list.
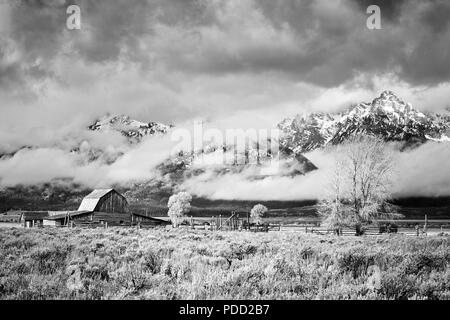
[(329, 43), (391, 8), (325, 43), (437, 17), (427, 62), (36, 29)]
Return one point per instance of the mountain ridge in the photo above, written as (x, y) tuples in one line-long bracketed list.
[(387, 116), (132, 129)]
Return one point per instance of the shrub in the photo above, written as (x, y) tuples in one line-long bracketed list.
[(160, 264)]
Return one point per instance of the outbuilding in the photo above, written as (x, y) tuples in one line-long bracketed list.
[(13, 216), (32, 219)]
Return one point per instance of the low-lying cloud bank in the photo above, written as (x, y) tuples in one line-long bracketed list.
[(423, 171), (39, 165), (244, 186)]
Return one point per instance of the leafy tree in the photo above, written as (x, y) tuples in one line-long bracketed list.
[(257, 212), (179, 204)]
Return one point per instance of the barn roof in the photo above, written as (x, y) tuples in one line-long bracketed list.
[(91, 200), (31, 215), (63, 215), (98, 193)]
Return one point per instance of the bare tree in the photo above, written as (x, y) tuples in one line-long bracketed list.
[(360, 186)]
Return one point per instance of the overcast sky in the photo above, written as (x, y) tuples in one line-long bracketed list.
[(249, 61)]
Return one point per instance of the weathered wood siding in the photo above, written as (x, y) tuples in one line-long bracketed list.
[(113, 219), (148, 221), (113, 202)]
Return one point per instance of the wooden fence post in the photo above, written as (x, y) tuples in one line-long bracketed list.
[(425, 226)]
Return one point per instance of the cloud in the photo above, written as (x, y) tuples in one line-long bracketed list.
[(320, 42), (424, 171), (174, 60), (238, 63), (244, 186), (44, 164)]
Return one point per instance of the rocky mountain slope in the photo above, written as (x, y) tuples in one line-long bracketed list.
[(132, 129), (387, 116)]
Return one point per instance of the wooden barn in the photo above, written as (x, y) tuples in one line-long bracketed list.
[(104, 200), (101, 206)]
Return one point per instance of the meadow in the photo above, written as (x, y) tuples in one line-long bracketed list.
[(165, 263)]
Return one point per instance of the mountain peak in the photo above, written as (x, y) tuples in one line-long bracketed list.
[(134, 130), (387, 116), (390, 98), (386, 94)]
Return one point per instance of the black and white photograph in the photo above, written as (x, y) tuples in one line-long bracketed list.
[(243, 151)]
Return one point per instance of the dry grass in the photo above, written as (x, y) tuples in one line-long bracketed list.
[(120, 263)]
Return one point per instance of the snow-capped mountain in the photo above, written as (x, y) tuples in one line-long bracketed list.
[(132, 129), (387, 116), (306, 132)]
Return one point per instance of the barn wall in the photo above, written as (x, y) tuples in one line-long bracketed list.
[(84, 217), (148, 221), (113, 203), (113, 218)]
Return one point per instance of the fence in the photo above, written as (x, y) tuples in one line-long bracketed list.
[(368, 231), (235, 222)]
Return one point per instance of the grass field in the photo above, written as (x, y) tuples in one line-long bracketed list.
[(126, 263)]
